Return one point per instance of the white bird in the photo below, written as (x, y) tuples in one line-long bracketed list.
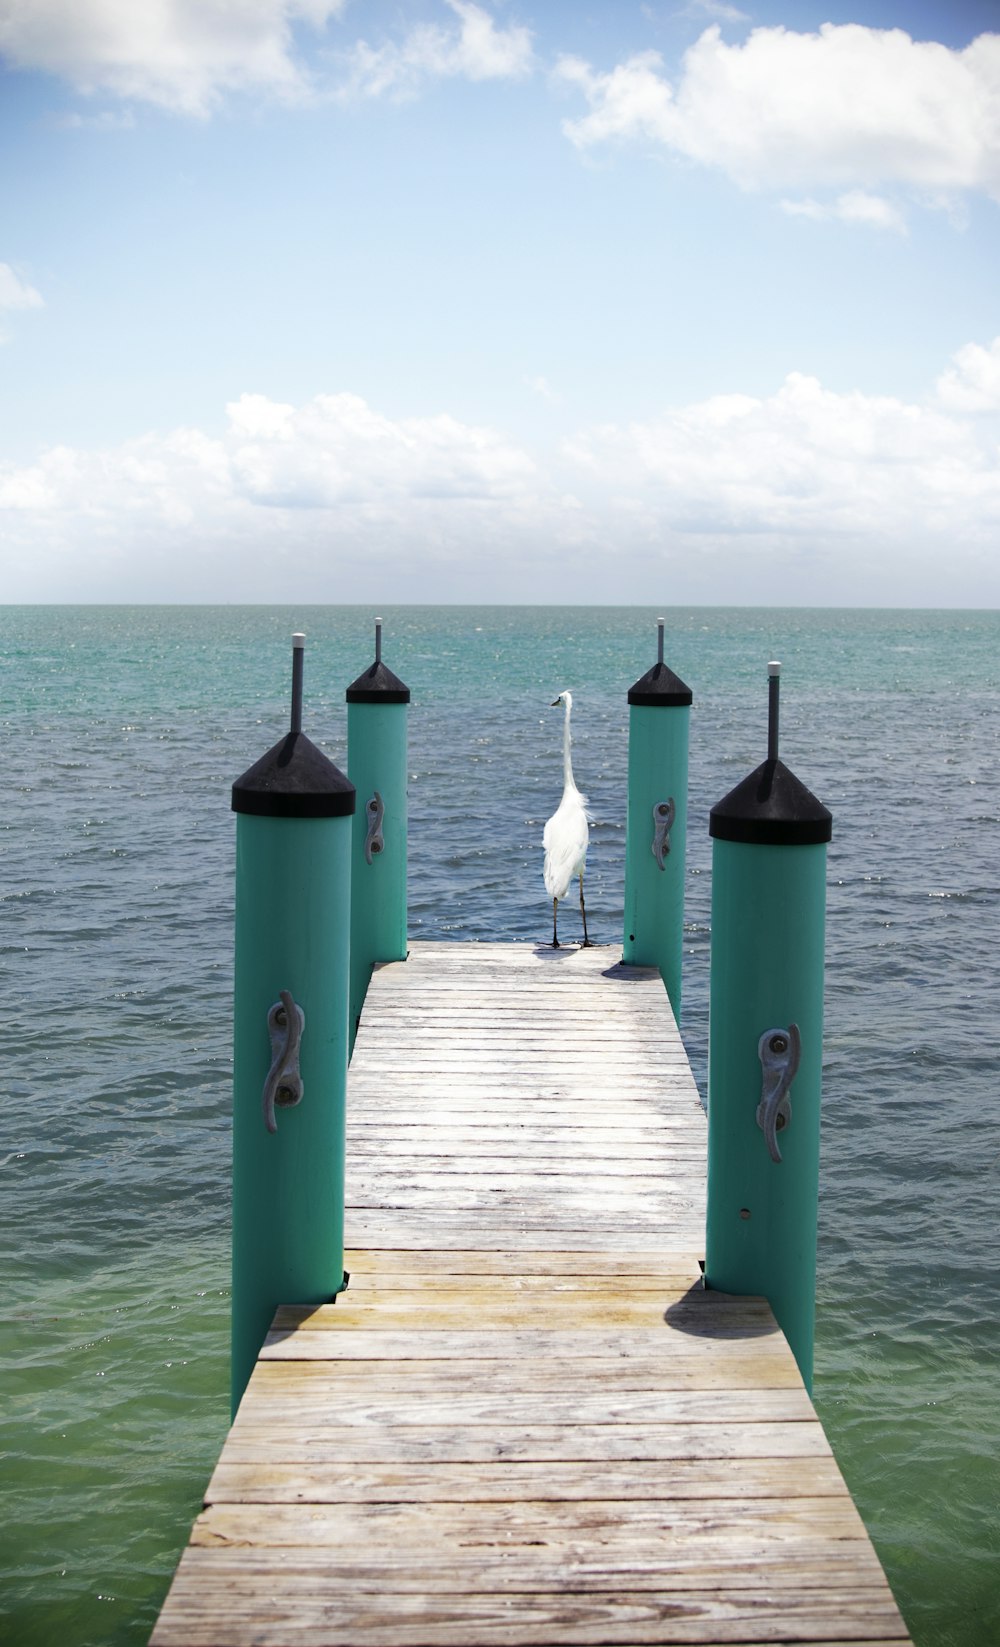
[(567, 835)]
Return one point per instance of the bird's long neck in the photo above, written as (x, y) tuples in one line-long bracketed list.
[(568, 780)]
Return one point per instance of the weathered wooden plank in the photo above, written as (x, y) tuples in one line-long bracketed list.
[(434, 1381), (845, 1566), (582, 1047), (472, 962), (486, 1148), (622, 1082), (570, 1229), (316, 1405), (352, 1342), (342, 1483), (574, 1091), (414, 1104), (582, 1198), (563, 1031), (462, 1223), (411, 976), (612, 982), (257, 1442), (534, 1091), (520, 1213), (480, 1068), (523, 1219), (355, 1624), (480, 1311), (678, 1303), (661, 1264), (425, 1179), (623, 1524)]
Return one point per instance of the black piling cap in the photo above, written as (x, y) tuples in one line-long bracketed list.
[(659, 687), (771, 807), (378, 684), (294, 779)]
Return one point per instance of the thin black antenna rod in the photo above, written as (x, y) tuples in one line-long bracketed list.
[(773, 689), (659, 640), (298, 659), (378, 640)]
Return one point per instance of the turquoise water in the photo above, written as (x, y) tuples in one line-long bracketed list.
[(123, 729)]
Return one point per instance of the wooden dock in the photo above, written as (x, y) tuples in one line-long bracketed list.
[(525, 1422)]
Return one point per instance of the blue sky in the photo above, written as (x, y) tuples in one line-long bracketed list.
[(441, 300)]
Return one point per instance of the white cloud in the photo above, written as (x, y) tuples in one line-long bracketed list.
[(805, 463), (15, 293), (108, 120), (715, 9), (856, 206), (972, 382), (475, 50), (541, 387), (334, 484), (848, 107), (181, 54), (336, 450), (631, 101), (801, 494)]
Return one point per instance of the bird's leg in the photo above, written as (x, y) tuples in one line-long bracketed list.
[(555, 940), (583, 911)]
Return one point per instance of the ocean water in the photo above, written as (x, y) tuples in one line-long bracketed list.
[(123, 729)]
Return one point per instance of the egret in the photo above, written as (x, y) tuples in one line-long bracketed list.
[(567, 835)]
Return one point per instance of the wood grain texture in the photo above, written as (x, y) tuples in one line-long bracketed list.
[(551, 1095), (525, 1423)]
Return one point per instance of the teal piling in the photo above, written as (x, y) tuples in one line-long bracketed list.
[(656, 827), (293, 889), (766, 1041), (376, 760)]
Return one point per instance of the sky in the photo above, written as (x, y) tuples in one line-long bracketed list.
[(551, 301)]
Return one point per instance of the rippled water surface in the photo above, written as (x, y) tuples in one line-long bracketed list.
[(123, 730)]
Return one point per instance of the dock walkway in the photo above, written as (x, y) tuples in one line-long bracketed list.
[(525, 1422)]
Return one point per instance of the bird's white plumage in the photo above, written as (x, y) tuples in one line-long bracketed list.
[(565, 841), (567, 833)]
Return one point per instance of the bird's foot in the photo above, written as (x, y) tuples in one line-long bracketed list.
[(588, 943), (556, 944)]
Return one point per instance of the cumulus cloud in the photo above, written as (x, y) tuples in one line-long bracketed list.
[(337, 450), (475, 50), (714, 8), (540, 386), (803, 493), (856, 206), (342, 488), (972, 382), (107, 120), (15, 293), (849, 107), (180, 54), (871, 478)]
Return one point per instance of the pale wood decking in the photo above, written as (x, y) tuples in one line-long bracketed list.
[(525, 1422)]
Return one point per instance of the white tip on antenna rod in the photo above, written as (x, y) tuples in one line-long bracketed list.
[(660, 626), (774, 669), (298, 640), (378, 640)]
